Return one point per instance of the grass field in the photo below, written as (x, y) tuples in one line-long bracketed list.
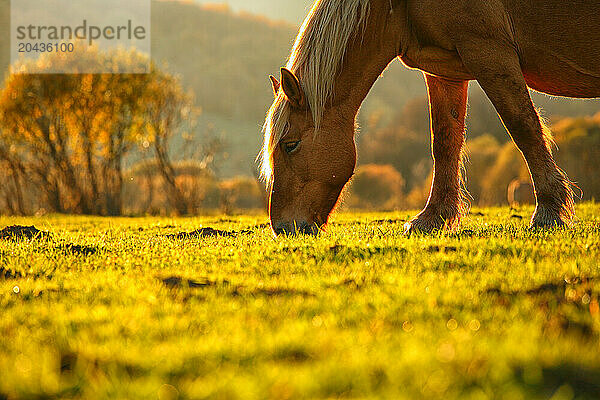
[(114, 308)]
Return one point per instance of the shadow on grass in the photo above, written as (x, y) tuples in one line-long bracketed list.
[(583, 382), (207, 232), (177, 282), (18, 232)]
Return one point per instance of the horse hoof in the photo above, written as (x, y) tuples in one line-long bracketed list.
[(408, 229), (546, 219), (419, 227), (547, 223)]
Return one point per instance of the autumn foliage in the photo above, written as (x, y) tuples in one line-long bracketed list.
[(66, 138)]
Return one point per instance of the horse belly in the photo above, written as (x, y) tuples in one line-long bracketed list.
[(560, 77), (559, 45)]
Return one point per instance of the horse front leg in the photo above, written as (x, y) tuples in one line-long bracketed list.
[(448, 108)]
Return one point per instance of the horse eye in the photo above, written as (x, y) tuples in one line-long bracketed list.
[(290, 147)]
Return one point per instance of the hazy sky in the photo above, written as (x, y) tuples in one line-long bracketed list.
[(292, 11)]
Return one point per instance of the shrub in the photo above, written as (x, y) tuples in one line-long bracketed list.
[(398, 147), (376, 187), (242, 193), (509, 165), (480, 156), (145, 190), (578, 152)]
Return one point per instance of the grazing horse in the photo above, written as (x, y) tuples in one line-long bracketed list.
[(343, 46), (520, 192)]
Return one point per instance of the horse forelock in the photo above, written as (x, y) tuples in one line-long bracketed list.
[(316, 60), (273, 130)]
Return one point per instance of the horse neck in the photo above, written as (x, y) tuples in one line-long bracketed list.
[(367, 57)]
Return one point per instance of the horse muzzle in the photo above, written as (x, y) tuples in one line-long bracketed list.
[(295, 228)]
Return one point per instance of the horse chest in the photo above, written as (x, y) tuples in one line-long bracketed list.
[(436, 61)]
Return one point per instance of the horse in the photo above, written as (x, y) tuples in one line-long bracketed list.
[(343, 46), (520, 192)]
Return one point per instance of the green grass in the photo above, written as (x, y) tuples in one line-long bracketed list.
[(494, 311)]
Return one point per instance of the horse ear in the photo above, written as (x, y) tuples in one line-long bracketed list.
[(276, 84), (292, 89)]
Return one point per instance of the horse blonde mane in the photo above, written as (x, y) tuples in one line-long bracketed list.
[(316, 60)]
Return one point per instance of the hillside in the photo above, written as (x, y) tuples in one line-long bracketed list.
[(226, 58), (292, 11)]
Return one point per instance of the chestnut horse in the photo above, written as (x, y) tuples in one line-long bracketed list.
[(551, 46)]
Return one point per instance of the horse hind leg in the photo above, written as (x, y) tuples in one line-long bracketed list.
[(446, 203), (498, 71)]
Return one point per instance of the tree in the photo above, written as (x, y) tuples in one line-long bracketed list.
[(69, 134), (167, 107)]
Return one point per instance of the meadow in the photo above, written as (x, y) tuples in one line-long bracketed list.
[(134, 308)]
